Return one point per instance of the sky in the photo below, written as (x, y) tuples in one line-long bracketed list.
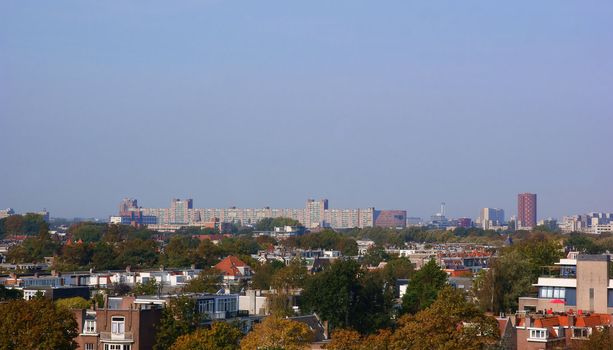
[(392, 104)]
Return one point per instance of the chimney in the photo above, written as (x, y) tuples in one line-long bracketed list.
[(128, 268), (193, 266), (161, 267)]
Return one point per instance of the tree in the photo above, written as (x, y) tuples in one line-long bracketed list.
[(137, 253), (208, 281), (349, 297), (423, 287), (449, 323), (9, 294), (179, 317), (264, 274), (345, 339), (332, 293), (221, 336), (73, 303), (104, 256), (181, 251), (398, 268), (277, 333), (511, 275), (291, 276), (75, 255), (119, 289), (374, 255), (36, 324), (600, 339), (268, 224), (34, 249), (87, 232), (148, 288)]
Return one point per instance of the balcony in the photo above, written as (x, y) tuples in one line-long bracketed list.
[(558, 272), (116, 337)]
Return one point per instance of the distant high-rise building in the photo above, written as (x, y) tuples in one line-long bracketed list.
[(491, 217), (464, 222), (526, 210), (315, 213), (126, 205), (179, 213), (390, 218)]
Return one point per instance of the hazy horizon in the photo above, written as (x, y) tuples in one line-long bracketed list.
[(396, 105)]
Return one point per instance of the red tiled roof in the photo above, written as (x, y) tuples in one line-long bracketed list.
[(229, 266), (589, 321)]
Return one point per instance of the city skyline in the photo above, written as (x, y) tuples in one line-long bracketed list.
[(508, 214), (242, 104)]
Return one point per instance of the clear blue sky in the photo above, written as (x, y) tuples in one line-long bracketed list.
[(392, 104)]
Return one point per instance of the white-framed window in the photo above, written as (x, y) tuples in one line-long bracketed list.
[(89, 326), (89, 346), (117, 346), (552, 292), (118, 326), (538, 334)]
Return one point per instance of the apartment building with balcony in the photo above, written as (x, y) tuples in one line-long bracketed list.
[(577, 283), (120, 325)]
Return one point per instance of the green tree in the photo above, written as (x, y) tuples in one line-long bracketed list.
[(264, 273), (512, 274), (374, 255), (349, 297), (137, 254), (181, 251), (9, 294), (36, 324), (104, 256), (179, 317), (398, 268), (148, 288), (221, 336), (75, 255), (87, 232), (423, 287), (208, 281), (74, 303)]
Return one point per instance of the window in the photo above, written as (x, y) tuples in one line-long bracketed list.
[(552, 292), (117, 347), (581, 332), (89, 346), (206, 306), (118, 326), (538, 334), (89, 326)]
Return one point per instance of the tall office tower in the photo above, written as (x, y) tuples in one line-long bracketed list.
[(127, 204), (526, 210), (491, 217), (315, 213), (180, 211)]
